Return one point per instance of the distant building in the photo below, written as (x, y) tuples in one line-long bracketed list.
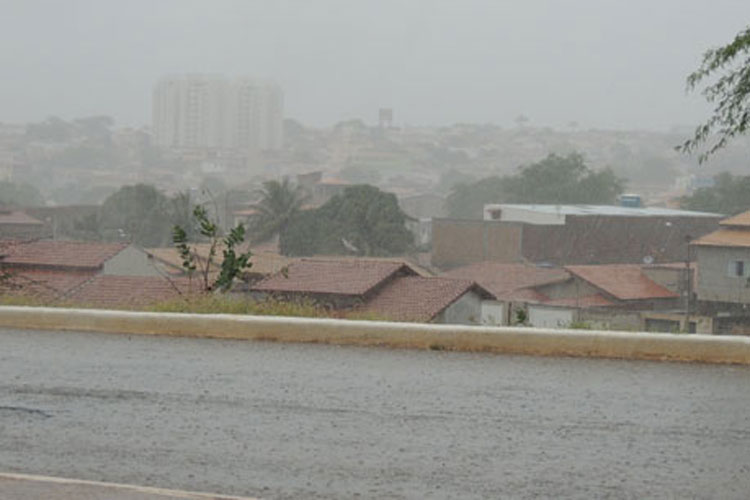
[(211, 112), (569, 234)]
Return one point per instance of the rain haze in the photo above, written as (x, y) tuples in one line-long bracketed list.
[(603, 64), (441, 191)]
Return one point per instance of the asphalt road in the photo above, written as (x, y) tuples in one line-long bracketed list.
[(310, 421)]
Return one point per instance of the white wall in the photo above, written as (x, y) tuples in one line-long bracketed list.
[(550, 317), (494, 313)]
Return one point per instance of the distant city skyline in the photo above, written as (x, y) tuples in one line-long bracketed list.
[(603, 64)]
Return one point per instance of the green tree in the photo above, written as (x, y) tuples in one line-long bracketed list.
[(19, 195), (466, 201), (362, 220), (729, 195), (728, 69), (232, 264), (138, 213), (280, 202), (553, 180), (562, 179)]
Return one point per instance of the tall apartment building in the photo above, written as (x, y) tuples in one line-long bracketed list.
[(210, 112)]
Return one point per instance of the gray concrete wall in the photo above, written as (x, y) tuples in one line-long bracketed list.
[(467, 310), (714, 282), (131, 261)]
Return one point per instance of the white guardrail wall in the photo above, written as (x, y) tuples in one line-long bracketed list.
[(509, 340)]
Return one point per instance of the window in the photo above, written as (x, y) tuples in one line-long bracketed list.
[(736, 268)]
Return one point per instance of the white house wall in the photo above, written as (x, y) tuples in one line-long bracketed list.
[(550, 317)]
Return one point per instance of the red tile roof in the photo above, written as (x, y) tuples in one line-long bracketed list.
[(127, 291), (335, 277), (725, 238), (14, 217), (67, 254), (502, 278), (44, 285), (742, 219), (596, 300), (414, 298), (622, 281)]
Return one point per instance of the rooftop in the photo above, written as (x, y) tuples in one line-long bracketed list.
[(501, 279), (119, 291), (611, 210), (622, 281), (335, 277), (725, 238), (16, 217), (742, 220), (415, 298), (72, 254)]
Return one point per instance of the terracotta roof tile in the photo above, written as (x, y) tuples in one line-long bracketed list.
[(596, 300), (414, 298), (502, 278), (70, 254), (742, 219), (725, 238), (623, 281), (14, 217), (336, 277), (44, 285), (126, 291)]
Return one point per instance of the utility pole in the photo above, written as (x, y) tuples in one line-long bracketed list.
[(689, 283)]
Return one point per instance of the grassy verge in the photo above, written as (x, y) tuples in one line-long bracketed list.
[(210, 304)]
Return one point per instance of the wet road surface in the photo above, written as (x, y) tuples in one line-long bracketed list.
[(309, 421)]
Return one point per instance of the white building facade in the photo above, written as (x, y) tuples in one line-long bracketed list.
[(211, 112)]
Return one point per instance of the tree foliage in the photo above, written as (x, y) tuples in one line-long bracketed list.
[(362, 220), (19, 195), (553, 180), (728, 69), (232, 263), (138, 213), (280, 202), (729, 195)]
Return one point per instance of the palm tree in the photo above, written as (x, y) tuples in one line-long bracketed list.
[(280, 202)]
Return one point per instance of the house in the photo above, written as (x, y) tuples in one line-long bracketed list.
[(16, 225), (52, 271), (386, 288), (568, 234), (512, 285), (723, 282), (609, 296), (100, 258), (430, 300)]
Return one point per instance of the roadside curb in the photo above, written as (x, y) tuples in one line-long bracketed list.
[(509, 340), (111, 490)]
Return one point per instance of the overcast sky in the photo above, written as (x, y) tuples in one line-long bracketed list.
[(602, 63)]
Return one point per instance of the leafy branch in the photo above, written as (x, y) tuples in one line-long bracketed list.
[(730, 93)]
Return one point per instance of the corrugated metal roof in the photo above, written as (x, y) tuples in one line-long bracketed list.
[(611, 210)]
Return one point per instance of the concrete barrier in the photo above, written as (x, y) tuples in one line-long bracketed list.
[(512, 340)]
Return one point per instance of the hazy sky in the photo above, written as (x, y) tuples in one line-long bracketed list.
[(602, 63)]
